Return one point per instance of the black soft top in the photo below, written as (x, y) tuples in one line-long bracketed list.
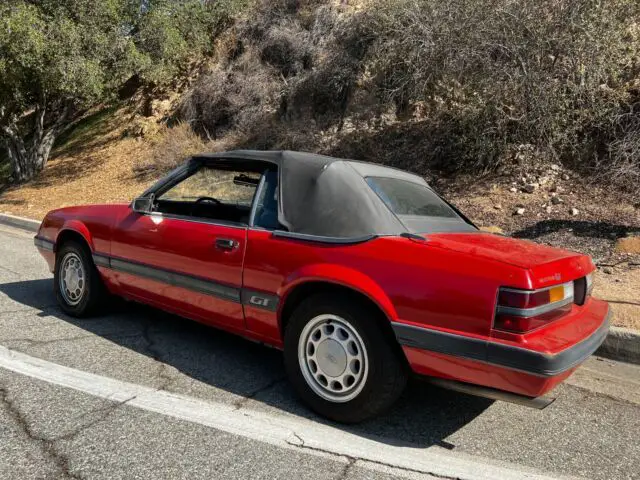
[(320, 195)]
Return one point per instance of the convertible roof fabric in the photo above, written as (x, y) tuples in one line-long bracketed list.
[(321, 195)]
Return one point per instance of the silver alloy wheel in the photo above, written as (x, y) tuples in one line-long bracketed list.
[(333, 358), (72, 279)]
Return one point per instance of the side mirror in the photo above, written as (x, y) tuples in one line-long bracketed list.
[(142, 204)]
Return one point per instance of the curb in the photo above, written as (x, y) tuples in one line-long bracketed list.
[(20, 222), (621, 343)]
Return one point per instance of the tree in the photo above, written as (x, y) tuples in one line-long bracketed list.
[(58, 57)]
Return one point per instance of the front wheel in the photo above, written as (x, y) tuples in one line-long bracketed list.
[(78, 286), (340, 361)]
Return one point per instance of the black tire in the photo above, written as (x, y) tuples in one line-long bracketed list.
[(387, 371), (94, 291)]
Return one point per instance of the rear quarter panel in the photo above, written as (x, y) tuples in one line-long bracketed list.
[(409, 280)]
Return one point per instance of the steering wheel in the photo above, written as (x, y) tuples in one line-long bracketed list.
[(208, 199), (202, 200)]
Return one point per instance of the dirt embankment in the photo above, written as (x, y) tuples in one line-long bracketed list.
[(98, 160)]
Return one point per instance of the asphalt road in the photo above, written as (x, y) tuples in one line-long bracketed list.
[(137, 393)]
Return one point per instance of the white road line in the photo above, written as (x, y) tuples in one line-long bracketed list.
[(281, 430)]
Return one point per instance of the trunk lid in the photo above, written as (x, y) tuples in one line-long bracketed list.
[(548, 265)]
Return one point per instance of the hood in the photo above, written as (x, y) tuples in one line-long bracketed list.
[(513, 251)]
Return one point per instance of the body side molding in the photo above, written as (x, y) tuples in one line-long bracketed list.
[(263, 300)]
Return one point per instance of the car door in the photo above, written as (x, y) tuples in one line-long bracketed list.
[(186, 255)]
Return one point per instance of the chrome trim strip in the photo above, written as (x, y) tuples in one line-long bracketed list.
[(500, 354), (532, 312)]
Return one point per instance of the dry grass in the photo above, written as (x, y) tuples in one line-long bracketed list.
[(170, 146), (92, 164)]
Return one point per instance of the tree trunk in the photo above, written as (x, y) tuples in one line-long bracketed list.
[(27, 161)]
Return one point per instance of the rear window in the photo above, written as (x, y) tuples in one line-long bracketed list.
[(408, 198), (418, 207)]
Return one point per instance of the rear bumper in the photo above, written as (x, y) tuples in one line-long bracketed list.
[(494, 364)]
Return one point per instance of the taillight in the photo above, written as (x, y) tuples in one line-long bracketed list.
[(520, 311)]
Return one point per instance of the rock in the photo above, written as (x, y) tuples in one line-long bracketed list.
[(530, 187), (607, 270), (556, 200), (549, 209), (497, 206), (575, 211), (492, 229), (565, 176), (555, 167), (513, 189), (519, 211), (553, 188)]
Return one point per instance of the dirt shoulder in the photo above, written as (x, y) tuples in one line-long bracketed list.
[(621, 288)]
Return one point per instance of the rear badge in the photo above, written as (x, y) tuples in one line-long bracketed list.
[(553, 278)]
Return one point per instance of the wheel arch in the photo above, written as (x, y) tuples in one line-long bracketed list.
[(74, 231), (305, 288)]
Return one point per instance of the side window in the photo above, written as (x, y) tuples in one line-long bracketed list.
[(226, 187), (212, 194), (266, 214)]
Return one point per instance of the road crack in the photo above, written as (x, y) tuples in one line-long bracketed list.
[(47, 446), (107, 411), (244, 400), (154, 352), (39, 343), (32, 343), (301, 444)]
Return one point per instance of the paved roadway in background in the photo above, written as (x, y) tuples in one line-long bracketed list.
[(137, 393)]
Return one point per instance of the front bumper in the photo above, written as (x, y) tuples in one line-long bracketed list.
[(46, 249), (495, 364)]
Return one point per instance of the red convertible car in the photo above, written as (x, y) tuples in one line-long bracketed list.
[(360, 273)]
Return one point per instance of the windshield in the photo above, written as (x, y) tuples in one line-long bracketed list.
[(418, 207)]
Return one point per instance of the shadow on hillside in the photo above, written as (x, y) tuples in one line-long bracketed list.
[(81, 135), (579, 228), (81, 140), (8, 201), (424, 416)]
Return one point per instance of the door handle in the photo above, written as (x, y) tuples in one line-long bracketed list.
[(226, 244)]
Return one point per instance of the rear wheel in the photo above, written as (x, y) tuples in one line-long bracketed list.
[(340, 361), (78, 286)]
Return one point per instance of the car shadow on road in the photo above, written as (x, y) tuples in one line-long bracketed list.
[(426, 415)]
